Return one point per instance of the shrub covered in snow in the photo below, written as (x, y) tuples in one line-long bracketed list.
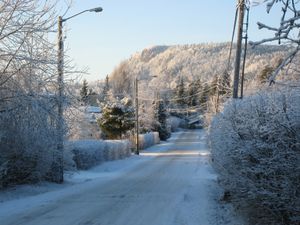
[(256, 149), (28, 93), (176, 122), (28, 143), (148, 139), (89, 153)]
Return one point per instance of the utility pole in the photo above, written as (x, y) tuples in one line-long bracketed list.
[(241, 7), (137, 152), (245, 51), (60, 132), (60, 82)]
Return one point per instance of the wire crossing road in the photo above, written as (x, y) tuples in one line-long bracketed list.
[(172, 187)]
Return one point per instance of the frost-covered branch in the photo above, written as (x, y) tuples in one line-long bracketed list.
[(288, 30), (284, 63), (28, 74)]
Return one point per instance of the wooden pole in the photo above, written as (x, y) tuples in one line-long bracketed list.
[(59, 126), (241, 6), (137, 152)]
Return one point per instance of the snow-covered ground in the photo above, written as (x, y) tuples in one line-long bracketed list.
[(170, 183)]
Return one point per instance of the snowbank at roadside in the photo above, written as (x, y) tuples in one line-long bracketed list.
[(148, 139), (89, 153), (104, 171)]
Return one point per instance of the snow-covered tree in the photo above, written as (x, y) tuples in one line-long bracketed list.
[(193, 90), (84, 92), (28, 74), (204, 96), (224, 87), (105, 91), (265, 74), (285, 33), (191, 62), (181, 93), (214, 86), (160, 124), (122, 79), (268, 69), (117, 118), (146, 117)]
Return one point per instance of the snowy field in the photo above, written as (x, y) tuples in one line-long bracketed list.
[(170, 183)]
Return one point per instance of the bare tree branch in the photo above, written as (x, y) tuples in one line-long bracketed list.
[(284, 32)]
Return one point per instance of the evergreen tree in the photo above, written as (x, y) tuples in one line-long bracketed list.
[(204, 96), (214, 86), (198, 89), (180, 93), (84, 92), (198, 85), (265, 74), (105, 91), (117, 119), (161, 115), (192, 94), (224, 84), (214, 94), (267, 71)]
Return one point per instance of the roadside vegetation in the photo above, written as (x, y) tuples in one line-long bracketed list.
[(255, 140)]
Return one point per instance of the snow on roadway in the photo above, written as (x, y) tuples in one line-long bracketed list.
[(168, 184)]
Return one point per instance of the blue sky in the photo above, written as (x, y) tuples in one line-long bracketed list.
[(101, 41)]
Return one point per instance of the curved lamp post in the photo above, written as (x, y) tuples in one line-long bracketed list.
[(60, 68)]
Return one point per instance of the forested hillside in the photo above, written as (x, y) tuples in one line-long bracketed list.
[(163, 66)]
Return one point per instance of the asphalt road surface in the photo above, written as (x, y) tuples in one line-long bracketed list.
[(172, 188)]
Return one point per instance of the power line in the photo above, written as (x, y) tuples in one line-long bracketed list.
[(232, 38), (176, 99)]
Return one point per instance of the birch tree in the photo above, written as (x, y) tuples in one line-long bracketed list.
[(28, 73)]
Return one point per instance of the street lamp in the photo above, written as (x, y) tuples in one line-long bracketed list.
[(60, 68), (137, 151)]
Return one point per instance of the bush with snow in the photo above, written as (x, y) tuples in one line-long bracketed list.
[(89, 153), (28, 143), (176, 122), (256, 149), (148, 139), (28, 93)]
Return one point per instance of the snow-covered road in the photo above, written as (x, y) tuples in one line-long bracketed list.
[(169, 184)]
